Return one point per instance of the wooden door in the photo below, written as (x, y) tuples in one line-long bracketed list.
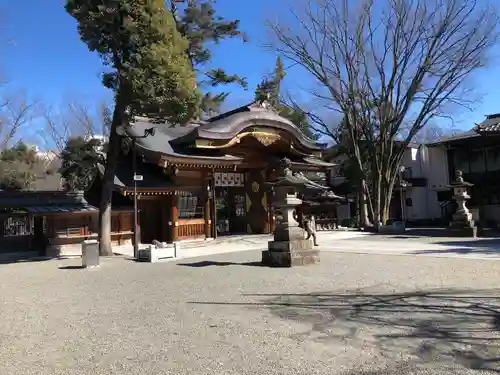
[(150, 223), (237, 210)]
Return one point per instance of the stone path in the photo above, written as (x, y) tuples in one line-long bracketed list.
[(481, 248), (229, 244), (352, 314), (352, 242)]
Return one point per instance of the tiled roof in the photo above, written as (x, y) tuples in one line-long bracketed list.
[(73, 208), (172, 140), (153, 175), (455, 137), (493, 128), (45, 201), (491, 125)]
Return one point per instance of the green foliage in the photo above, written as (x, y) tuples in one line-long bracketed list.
[(79, 162), (19, 152), (18, 167), (198, 23), (269, 89), (138, 38)]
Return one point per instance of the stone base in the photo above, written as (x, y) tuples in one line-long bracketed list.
[(456, 231), (285, 259), (290, 246), (290, 253)]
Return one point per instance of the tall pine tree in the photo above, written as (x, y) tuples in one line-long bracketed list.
[(198, 23), (150, 72), (270, 89)]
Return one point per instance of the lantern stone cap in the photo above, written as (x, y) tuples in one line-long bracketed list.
[(459, 181)]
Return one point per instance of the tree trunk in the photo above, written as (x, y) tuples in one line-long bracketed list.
[(377, 197), (388, 189), (358, 208), (105, 247), (364, 221), (369, 204)]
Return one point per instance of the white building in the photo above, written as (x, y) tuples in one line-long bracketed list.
[(426, 170), (424, 199), (429, 169)]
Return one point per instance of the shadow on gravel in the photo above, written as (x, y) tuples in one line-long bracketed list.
[(71, 267), (22, 258), (477, 246), (436, 327), (209, 263), (416, 232)]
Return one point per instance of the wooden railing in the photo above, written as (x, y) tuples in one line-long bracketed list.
[(191, 228)]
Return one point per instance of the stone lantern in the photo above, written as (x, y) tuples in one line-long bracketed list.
[(462, 224), (289, 247)]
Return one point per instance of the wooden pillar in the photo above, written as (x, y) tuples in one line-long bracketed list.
[(213, 212), (139, 222), (208, 221), (174, 219), (209, 218), (165, 219)]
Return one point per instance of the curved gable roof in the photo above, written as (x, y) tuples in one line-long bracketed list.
[(160, 143), (230, 124)]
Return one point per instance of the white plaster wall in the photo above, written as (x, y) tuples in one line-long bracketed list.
[(430, 163), (418, 210), (412, 159), (434, 207), (437, 168), (425, 204)]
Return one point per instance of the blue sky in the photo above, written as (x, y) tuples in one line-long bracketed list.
[(48, 60)]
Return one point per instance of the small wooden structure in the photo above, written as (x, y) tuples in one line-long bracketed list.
[(54, 222)]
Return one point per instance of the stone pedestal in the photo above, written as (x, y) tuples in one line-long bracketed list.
[(462, 231), (297, 252)]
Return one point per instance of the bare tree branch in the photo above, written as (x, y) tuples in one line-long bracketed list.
[(389, 66), (15, 111), (76, 119)]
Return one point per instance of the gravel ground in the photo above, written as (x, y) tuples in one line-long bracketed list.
[(352, 314)]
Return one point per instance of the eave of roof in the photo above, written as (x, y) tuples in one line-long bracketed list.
[(160, 143), (41, 202), (470, 134), (62, 209), (229, 124)]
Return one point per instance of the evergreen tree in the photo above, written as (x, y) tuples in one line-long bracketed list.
[(18, 167), (198, 23), (150, 72), (79, 162), (270, 89)]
